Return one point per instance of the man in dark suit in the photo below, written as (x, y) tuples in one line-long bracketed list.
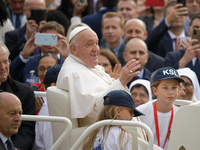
[(137, 49), (136, 28), (15, 12), (163, 38), (67, 7), (25, 137), (10, 116), (112, 30), (22, 65), (193, 8), (190, 56), (15, 40), (94, 20)]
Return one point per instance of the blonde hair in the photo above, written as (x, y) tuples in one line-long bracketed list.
[(112, 15), (106, 113)]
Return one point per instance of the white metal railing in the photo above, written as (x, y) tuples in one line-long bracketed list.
[(40, 94), (52, 119), (114, 122)]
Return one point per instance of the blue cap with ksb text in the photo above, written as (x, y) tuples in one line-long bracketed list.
[(166, 73), (121, 98)]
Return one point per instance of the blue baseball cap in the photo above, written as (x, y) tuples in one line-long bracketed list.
[(52, 74), (121, 98), (166, 73)]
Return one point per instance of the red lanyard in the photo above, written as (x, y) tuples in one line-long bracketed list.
[(157, 127)]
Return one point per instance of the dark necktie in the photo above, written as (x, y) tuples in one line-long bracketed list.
[(17, 22), (9, 144), (175, 40)]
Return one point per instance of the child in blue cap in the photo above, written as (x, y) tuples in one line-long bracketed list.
[(118, 105), (159, 114)]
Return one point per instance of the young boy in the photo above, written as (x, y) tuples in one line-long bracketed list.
[(165, 84)]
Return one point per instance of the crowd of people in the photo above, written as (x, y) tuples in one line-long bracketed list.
[(118, 59)]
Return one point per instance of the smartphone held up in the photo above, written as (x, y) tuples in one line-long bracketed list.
[(38, 15), (46, 39), (182, 2), (196, 35)]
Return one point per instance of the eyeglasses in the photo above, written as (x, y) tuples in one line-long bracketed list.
[(6, 61), (43, 69), (134, 95)]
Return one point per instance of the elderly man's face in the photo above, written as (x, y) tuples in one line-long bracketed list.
[(4, 64), (10, 116), (86, 47)]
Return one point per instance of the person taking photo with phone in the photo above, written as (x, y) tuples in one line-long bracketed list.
[(190, 56), (22, 65), (163, 38), (15, 40)]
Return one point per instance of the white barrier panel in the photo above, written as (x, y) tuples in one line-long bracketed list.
[(114, 122), (52, 119), (40, 94)]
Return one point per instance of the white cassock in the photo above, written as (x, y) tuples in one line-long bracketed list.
[(87, 86)]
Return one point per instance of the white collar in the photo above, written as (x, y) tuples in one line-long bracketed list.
[(3, 138), (172, 35)]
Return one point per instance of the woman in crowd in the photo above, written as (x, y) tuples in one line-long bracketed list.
[(109, 61), (140, 91), (190, 85), (46, 61)]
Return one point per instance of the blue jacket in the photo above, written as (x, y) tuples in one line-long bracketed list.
[(15, 41), (94, 20)]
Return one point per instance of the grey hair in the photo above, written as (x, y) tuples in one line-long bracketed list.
[(5, 47), (73, 42)]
